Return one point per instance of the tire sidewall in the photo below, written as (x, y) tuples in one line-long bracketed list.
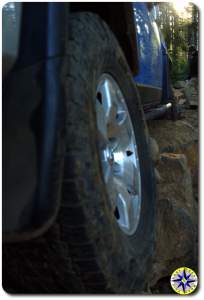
[(120, 256)]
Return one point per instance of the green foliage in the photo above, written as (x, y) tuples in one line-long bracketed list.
[(179, 70), (179, 32)]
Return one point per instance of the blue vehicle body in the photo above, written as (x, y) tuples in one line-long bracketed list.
[(152, 78)]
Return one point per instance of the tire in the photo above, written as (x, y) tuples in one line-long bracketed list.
[(103, 255), (86, 251)]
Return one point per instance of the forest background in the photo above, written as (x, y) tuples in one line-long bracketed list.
[(179, 23)]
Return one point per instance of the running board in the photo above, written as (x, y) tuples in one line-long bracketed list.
[(157, 112)]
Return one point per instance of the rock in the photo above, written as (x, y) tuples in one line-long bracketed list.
[(176, 182), (172, 136), (175, 236), (154, 150), (162, 287), (176, 175), (192, 117), (157, 176), (178, 94), (178, 137), (191, 92), (181, 101), (179, 84), (176, 217)]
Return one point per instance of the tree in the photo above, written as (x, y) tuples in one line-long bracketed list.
[(180, 29)]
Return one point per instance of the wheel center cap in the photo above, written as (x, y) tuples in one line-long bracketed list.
[(110, 157)]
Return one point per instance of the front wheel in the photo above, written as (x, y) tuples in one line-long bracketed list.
[(110, 212), (102, 240)]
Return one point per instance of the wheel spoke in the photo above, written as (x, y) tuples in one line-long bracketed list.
[(108, 96), (127, 172), (111, 187), (120, 135), (125, 205)]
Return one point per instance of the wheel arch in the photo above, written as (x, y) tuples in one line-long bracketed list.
[(112, 14)]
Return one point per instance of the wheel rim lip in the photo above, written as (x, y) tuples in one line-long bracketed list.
[(118, 165)]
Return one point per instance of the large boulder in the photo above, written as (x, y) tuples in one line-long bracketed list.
[(176, 182), (173, 136), (176, 218), (192, 117), (179, 137), (154, 150), (176, 240), (176, 171)]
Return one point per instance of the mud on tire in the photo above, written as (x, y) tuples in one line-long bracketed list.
[(85, 251)]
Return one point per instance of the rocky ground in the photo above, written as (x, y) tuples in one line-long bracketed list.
[(175, 152)]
